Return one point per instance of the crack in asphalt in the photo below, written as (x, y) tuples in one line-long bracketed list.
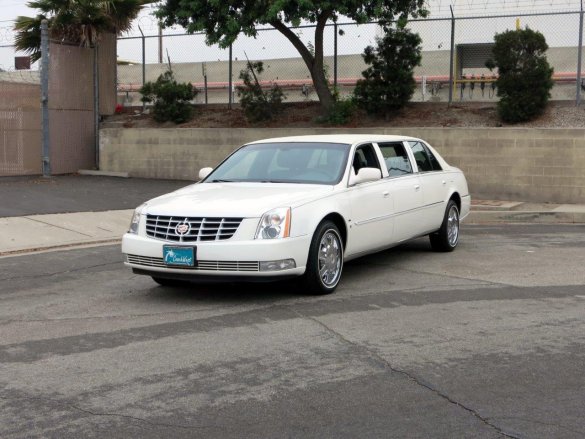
[(57, 226), (488, 282), (409, 376), (133, 316), (534, 421), (105, 414), (35, 276)]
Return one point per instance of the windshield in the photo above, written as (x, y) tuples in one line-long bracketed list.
[(316, 163)]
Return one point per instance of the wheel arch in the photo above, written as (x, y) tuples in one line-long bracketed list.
[(457, 198), (339, 221)]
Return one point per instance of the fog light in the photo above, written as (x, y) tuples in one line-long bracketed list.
[(283, 264)]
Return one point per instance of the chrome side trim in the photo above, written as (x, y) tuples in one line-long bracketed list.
[(383, 217)]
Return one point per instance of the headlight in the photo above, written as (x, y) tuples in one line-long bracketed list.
[(274, 224), (136, 219)]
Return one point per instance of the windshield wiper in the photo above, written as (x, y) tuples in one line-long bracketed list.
[(219, 180)]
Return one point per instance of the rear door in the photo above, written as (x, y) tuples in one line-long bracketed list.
[(433, 184), (404, 187)]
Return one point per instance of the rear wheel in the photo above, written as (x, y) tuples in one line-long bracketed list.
[(447, 238), (325, 262)]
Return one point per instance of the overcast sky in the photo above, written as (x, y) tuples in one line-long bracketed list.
[(9, 9), (559, 31)]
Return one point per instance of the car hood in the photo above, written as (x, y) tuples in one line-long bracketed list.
[(234, 199)]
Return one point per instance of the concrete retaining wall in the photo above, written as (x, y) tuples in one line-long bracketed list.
[(538, 165)]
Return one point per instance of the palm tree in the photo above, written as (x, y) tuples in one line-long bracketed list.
[(74, 22)]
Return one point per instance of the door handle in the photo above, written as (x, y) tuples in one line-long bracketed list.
[(417, 187), (386, 194), (444, 182)]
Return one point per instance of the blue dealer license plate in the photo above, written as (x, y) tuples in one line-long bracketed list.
[(179, 256)]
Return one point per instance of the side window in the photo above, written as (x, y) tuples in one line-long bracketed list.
[(396, 159), (365, 157), (425, 159), (434, 162)]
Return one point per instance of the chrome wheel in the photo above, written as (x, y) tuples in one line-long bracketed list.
[(330, 258), (453, 226), (447, 237)]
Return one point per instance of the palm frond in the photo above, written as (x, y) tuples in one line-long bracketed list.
[(28, 36), (75, 21)]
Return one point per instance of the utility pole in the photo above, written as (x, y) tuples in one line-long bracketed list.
[(143, 63), (230, 83), (96, 103), (160, 43), (451, 79), (335, 55), (46, 154), (580, 56)]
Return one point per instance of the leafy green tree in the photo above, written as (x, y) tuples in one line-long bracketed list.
[(258, 104), (388, 82), (525, 76), (74, 21), (223, 21), (172, 100)]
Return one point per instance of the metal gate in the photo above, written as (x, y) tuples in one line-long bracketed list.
[(20, 125)]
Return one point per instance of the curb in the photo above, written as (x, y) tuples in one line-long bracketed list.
[(487, 216), (69, 246), (103, 173)]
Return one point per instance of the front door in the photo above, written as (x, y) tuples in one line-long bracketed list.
[(371, 207)]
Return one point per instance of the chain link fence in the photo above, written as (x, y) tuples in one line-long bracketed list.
[(454, 52)]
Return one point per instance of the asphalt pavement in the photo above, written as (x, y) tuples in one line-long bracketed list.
[(484, 342), (39, 213), (23, 196)]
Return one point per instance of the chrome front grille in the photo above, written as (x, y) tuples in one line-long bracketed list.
[(148, 261), (199, 228)]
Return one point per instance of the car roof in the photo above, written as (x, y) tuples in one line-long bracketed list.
[(337, 138)]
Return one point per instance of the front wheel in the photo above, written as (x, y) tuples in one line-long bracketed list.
[(446, 239), (325, 262)]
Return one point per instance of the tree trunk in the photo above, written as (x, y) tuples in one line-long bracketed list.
[(317, 71), (321, 85), (313, 63)]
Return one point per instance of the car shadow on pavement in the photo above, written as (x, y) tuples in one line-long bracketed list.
[(226, 293), (272, 292)]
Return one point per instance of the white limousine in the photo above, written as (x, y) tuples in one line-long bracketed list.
[(299, 206)]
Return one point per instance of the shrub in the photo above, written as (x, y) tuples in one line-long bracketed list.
[(388, 82), (172, 100), (525, 76), (340, 112), (258, 104)]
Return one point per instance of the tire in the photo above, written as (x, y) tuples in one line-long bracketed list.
[(447, 237), (168, 282), (325, 262)]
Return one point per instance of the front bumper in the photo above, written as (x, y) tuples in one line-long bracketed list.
[(220, 259)]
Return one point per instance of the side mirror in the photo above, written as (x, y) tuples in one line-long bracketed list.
[(204, 172), (364, 175)]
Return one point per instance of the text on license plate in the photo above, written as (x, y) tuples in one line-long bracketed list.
[(182, 256)]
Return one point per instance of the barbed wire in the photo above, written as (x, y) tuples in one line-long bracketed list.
[(19, 76), (149, 24), (471, 7), (7, 35)]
